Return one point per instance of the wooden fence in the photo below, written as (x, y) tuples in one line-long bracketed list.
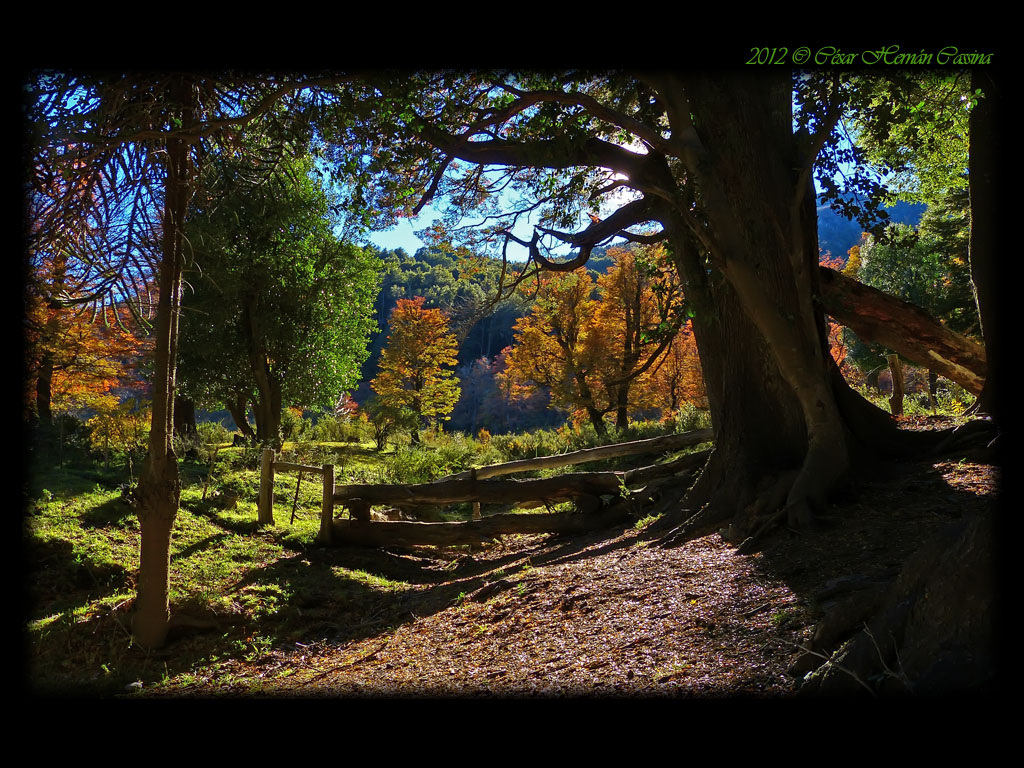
[(584, 489)]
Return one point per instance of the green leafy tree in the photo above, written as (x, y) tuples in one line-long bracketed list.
[(280, 310), (917, 267), (929, 267)]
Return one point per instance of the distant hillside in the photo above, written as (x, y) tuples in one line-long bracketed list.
[(837, 234)]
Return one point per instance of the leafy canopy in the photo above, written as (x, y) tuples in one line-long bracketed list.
[(272, 285)]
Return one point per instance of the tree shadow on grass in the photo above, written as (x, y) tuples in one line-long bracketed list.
[(212, 513), (199, 546), (59, 581), (110, 512)]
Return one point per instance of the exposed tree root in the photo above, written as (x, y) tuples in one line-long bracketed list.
[(974, 434), (932, 630)]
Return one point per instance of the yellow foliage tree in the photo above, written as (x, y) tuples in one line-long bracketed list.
[(415, 377)]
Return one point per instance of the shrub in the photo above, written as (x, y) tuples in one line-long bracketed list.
[(528, 445), (293, 426), (413, 465), (213, 433), (121, 429), (690, 418)]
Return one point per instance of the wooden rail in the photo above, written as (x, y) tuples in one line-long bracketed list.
[(635, 447), (585, 489)]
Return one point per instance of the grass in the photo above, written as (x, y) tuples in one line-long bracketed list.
[(643, 522), (260, 588)]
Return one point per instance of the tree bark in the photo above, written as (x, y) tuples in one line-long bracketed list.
[(903, 328), (184, 417), (982, 249), (160, 485), (238, 410), (760, 340), (896, 374)]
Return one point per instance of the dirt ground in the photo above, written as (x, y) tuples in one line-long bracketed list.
[(613, 614)]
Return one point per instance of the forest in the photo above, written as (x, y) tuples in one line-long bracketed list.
[(779, 285)]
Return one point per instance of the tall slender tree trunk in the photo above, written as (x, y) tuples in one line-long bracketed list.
[(984, 167), (159, 484), (44, 378)]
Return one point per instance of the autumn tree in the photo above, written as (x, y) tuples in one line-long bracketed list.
[(416, 373), (553, 347), (77, 356), (89, 286), (676, 377), (590, 344), (639, 314)]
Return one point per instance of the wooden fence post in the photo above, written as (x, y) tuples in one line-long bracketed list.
[(896, 399), (265, 506), (327, 508), (476, 504)]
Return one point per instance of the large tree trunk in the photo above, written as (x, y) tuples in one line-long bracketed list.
[(778, 431), (159, 485), (786, 424), (787, 427)]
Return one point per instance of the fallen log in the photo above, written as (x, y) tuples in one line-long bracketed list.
[(357, 533), (635, 447), (904, 328)]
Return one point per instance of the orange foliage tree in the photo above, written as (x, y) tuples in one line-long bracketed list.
[(78, 357), (677, 378), (554, 346), (415, 377), (640, 312), (593, 353)]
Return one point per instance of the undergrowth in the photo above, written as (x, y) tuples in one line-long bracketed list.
[(242, 592)]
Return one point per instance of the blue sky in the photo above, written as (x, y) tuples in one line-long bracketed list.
[(400, 236)]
